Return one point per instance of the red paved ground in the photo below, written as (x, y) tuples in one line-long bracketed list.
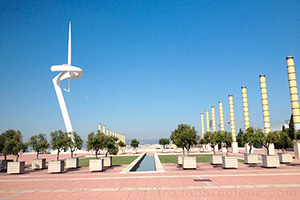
[(242, 183)]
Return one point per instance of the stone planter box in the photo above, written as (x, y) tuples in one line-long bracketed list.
[(38, 164), (3, 164), (216, 159), (107, 161), (72, 163), (285, 157), (165, 151), (229, 162), (134, 151), (297, 148), (96, 165), (56, 166), (16, 167), (180, 159), (250, 158), (189, 162), (270, 161)]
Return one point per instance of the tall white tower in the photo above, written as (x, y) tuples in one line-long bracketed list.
[(67, 71)]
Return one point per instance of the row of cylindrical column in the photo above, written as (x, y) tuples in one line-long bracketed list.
[(108, 132)]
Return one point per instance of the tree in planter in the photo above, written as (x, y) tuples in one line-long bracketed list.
[(184, 137), (267, 139), (75, 142), (38, 143), (60, 141), (284, 141), (13, 143), (250, 138), (215, 139), (110, 145), (239, 138), (121, 144), (164, 142), (96, 142), (134, 143), (226, 140)]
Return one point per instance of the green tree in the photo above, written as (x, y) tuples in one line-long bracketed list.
[(75, 142), (214, 139), (226, 139), (60, 141), (267, 139), (164, 142), (110, 145), (13, 143), (284, 141), (122, 145), (38, 143), (96, 142), (239, 137), (184, 137), (250, 138), (291, 131), (134, 143)]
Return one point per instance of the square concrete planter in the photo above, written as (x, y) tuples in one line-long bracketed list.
[(216, 159), (229, 162), (72, 163), (38, 164), (16, 167), (180, 159), (96, 165), (3, 164), (107, 161), (56, 166), (250, 158), (270, 161), (285, 157), (189, 163)]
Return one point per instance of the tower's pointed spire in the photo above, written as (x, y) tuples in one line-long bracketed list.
[(69, 45)]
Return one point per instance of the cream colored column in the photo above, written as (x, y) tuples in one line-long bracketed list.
[(246, 115), (104, 129), (110, 133), (265, 109), (107, 132), (208, 147), (207, 121), (202, 125), (294, 100), (213, 115), (232, 124), (99, 127), (222, 127)]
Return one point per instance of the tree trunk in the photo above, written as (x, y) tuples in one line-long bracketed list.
[(57, 156), (188, 152), (71, 154), (106, 154), (4, 157), (183, 151), (17, 157), (37, 155), (250, 149), (96, 154)]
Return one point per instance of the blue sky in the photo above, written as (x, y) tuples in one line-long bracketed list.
[(148, 65)]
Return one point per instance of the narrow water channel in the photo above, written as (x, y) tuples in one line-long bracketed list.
[(147, 164)]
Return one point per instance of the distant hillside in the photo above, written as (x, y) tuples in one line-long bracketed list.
[(143, 141)]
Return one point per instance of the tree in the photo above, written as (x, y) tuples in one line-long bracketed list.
[(184, 137), (121, 144), (110, 145), (96, 142), (226, 139), (250, 138), (284, 141), (38, 143), (13, 143), (60, 140), (164, 142), (291, 130), (134, 143), (75, 142), (267, 139), (214, 139), (239, 137)]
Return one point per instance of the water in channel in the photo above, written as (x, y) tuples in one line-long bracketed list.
[(147, 164)]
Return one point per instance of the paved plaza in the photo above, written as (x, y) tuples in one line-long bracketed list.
[(207, 182)]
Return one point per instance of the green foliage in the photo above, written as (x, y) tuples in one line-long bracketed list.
[(226, 138), (239, 138), (184, 136), (38, 143), (96, 142), (121, 144), (75, 143), (60, 141), (291, 131), (164, 142), (134, 143), (13, 143), (297, 135), (284, 141), (266, 139), (110, 145), (250, 138), (215, 139)]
